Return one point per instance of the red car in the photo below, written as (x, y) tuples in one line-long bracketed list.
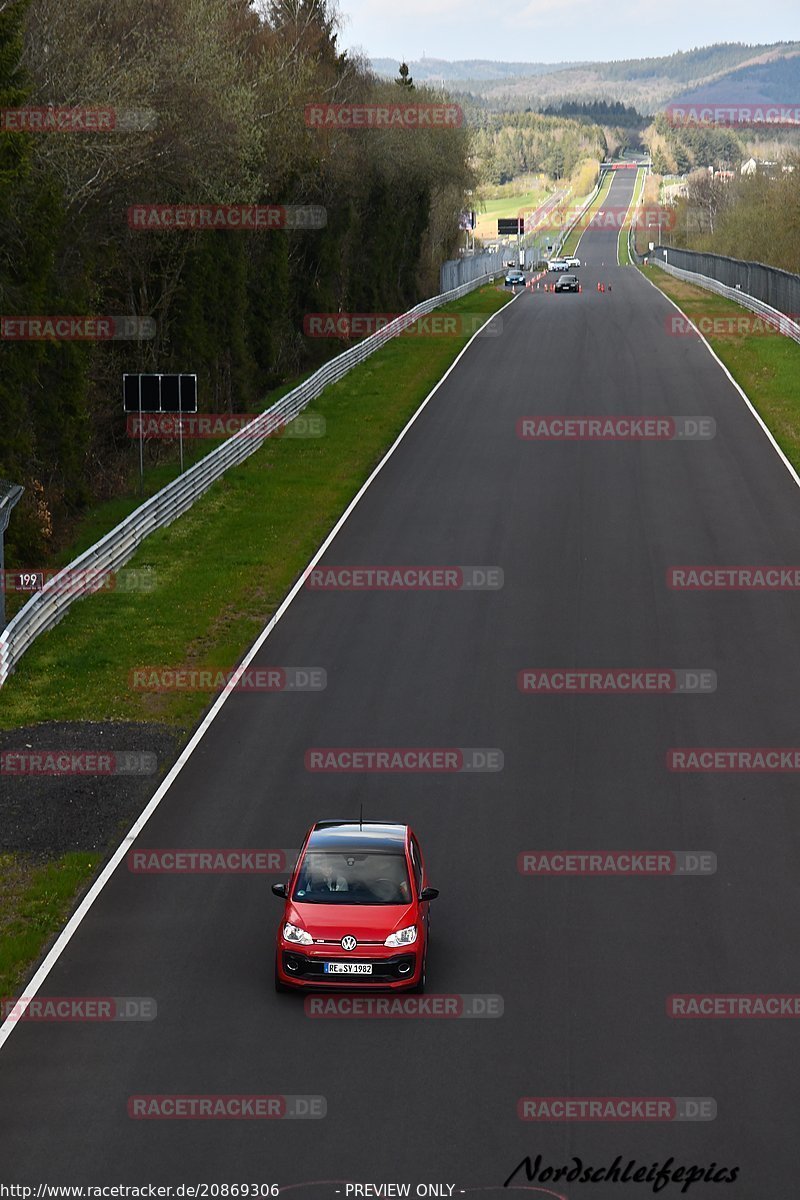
[(356, 911)]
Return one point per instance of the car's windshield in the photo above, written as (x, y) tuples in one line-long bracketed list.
[(352, 877)]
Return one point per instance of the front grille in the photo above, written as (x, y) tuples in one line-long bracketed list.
[(384, 970), (338, 942)]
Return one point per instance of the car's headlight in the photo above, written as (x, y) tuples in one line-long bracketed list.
[(403, 937), (294, 934)]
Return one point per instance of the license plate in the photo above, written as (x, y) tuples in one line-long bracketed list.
[(348, 968)]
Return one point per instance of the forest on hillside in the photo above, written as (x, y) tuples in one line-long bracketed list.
[(647, 83), (507, 145), (214, 94)]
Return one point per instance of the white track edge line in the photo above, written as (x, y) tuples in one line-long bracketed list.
[(66, 934), (738, 386), (586, 209)]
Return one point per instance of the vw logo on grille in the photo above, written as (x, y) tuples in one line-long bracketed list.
[(349, 942)]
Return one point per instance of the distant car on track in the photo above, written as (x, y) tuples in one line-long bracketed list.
[(355, 910), (567, 283), (572, 262), (557, 264), (514, 278)]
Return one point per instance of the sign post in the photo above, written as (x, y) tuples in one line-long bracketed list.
[(159, 394), (512, 225)]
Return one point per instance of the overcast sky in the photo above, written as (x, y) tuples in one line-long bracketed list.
[(559, 30)]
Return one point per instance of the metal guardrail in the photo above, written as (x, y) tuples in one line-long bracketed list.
[(587, 204), (777, 320), (633, 253), (772, 285), (80, 578)]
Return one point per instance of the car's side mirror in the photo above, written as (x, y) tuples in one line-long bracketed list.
[(279, 889), (429, 893)]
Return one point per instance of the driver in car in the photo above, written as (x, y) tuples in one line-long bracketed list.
[(325, 879)]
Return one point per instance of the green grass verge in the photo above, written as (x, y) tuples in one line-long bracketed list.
[(573, 239), (765, 365), (224, 567), (36, 901), (509, 206), (623, 255)]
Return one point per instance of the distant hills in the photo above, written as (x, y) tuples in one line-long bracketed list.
[(434, 70), (726, 71)]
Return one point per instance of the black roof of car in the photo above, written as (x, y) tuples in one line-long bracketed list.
[(375, 835)]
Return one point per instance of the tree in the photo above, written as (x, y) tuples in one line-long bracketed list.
[(404, 79), (229, 82), (683, 164), (706, 193)]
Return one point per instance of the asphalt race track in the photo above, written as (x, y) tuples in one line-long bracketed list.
[(584, 532)]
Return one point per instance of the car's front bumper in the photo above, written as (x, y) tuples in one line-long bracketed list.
[(298, 968)]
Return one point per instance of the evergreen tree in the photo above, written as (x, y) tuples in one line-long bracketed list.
[(404, 79)]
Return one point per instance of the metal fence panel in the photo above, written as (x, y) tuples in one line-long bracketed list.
[(779, 289), (784, 321), (458, 271)]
